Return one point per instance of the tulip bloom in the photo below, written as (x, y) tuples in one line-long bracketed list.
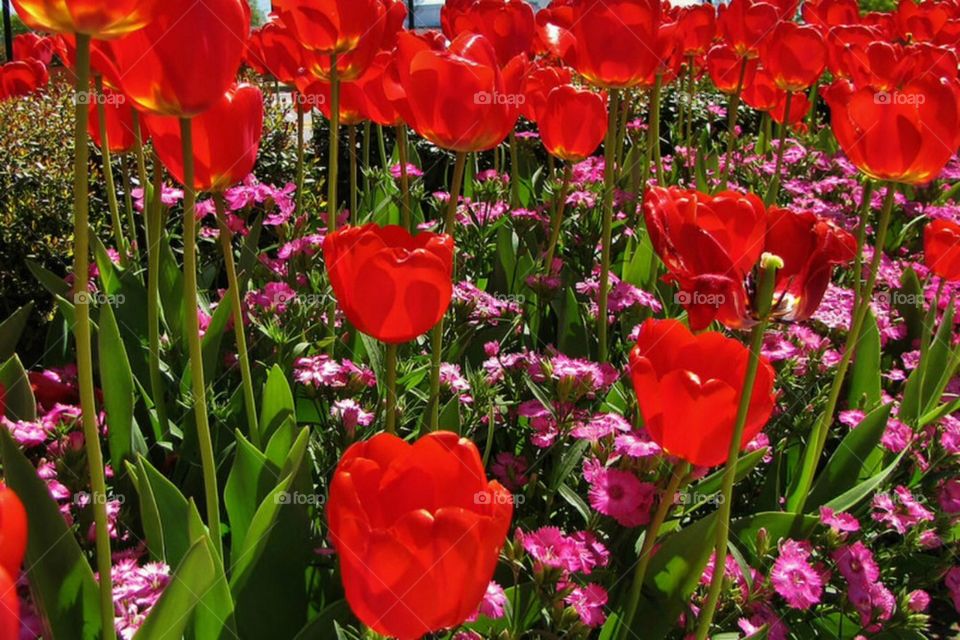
[(330, 26), (689, 388), (274, 50), (13, 531), (696, 27), (905, 133), (941, 246), (745, 25), (794, 56), (379, 34), (508, 24), (102, 20), (611, 41), (391, 285), (459, 99), (418, 530), (9, 607), (712, 247), (825, 14), (21, 78), (226, 139), (574, 123), (32, 45), (119, 116), (183, 62), (537, 86), (726, 68)]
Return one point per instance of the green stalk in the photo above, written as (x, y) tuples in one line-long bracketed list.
[(391, 399), (111, 187), (366, 158), (334, 162), (655, 127), (774, 189), (300, 156), (734, 107), (689, 96), (141, 156), (861, 240), (249, 400), (128, 205), (818, 437), (352, 141), (436, 337), (609, 171), (557, 223), (764, 298), (153, 216), (382, 148), (402, 150), (192, 329), (649, 540), (82, 333), (514, 171)]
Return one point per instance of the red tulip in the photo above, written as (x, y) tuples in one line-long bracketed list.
[(418, 530), (697, 26), (508, 24), (537, 85), (574, 123), (226, 139), (612, 39), (746, 24), (905, 132), (9, 607), (845, 46), (352, 105), (353, 64), (794, 56), (274, 50), (712, 245), (391, 285), (101, 59), (920, 21), (459, 99), (726, 68), (22, 78), (119, 118), (378, 107), (33, 45), (761, 93), (941, 246), (102, 20), (183, 62), (330, 26), (825, 14), (689, 387), (13, 531), (799, 109)]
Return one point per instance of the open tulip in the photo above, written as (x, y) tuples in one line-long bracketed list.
[(508, 24), (574, 123), (353, 64), (697, 27), (226, 139), (537, 85), (330, 26), (689, 387), (33, 45), (102, 20), (352, 104), (611, 41), (13, 531), (418, 530), (274, 50), (712, 247), (746, 24), (377, 105), (794, 56), (825, 14), (941, 246), (186, 58), (904, 133), (119, 117), (459, 98), (22, 78), (726, 68), (391, 285)]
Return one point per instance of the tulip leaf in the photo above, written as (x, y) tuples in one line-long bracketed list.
[(745, 465), (164, 512), (776, 524), (856, 456), (18, 395), (48, 279), (251, 479), (108, 272), (937, 369), (865, 382), (275, 551), (171, 290), (213, 337), (116, 380), (11, 329), (61, 580), (852, 497), (320, 626), (276, 404), (250, 252)]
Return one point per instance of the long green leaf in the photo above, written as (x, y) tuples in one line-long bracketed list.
[(18, 395), (118, 390), (11, 329)]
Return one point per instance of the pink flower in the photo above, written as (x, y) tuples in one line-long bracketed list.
[(897, 436), (794, 578), (840, 522), (952, 582), (413, 171), (918, 600), (578, 553), (621, 495), (589, 603), (493, 603), (902, 514), (636, 444), (600, 426), (949, 497), (351, 415), (510, 470), (856, 563)]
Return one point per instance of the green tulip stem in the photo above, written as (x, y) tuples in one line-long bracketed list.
[(733, 108), (402, 151), (128, 206), (334, 162), (354, 200), (774, 189), (557, 222), (192, 329), (654, 132), (108, 178), (391, 391), (609, 173), (301, 143), (153, 215)]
